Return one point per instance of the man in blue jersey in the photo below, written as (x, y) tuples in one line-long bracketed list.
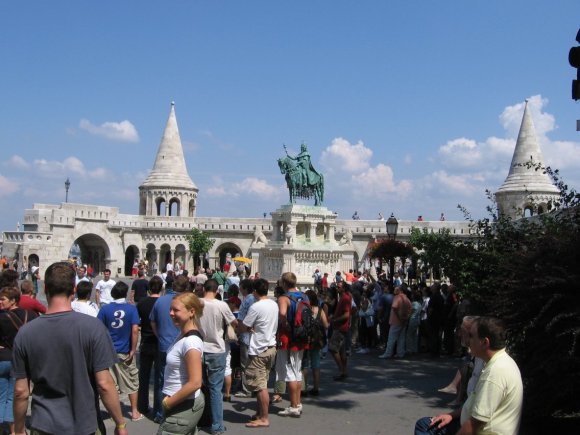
[(122, 321)]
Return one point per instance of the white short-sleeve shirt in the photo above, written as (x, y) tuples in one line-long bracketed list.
[(262, 317), (176, 369)]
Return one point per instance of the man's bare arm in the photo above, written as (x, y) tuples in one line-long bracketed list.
[(110, 397)]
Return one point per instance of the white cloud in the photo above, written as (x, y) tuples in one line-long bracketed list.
[(18, 162), (254, 185), (341, 155), (562, 155), (463, 184), (7, 186), (461, 152), (99, 174), (511, 117), (493, 155), (122, 131), (379, 181), (217, 191), (56, 169)]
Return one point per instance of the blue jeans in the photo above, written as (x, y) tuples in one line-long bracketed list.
[(397, 335), (422, 427), (158, 384), (214, 368), (6, 392)]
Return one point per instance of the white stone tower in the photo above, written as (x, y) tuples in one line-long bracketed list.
[(526, 191), (168, 190)]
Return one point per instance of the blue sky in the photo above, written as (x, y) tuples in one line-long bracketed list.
[(406, 106)]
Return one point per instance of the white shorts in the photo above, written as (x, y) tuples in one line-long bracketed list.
[(228, 364), (289, 369)]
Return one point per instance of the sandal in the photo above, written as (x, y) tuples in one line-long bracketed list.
[(276, 398)]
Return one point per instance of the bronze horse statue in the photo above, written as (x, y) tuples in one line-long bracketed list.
[(301, 185)]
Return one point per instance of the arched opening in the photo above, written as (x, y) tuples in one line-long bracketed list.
[(180, 255), (174, 207), (33, 260), (227, 249), (165, 257), (528, 211), (151, 257), (192, 208), (541, 209), (93, 251), (160, 204), (131, 256)]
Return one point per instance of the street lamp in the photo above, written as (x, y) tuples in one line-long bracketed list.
[(392, 226), (66, 188)]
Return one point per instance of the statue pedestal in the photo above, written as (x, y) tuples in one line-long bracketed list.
[(302, 241)]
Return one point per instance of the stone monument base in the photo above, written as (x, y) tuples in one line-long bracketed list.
[(302, 241)]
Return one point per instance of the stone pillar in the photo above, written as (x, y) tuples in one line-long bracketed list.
[(288, 263), (330, 233), (157, 259), (172, 255), (308, 231)]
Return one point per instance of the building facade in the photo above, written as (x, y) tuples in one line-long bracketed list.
[(167, 214)]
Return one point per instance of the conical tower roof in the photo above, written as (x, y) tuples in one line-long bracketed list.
[(522, 178), (169, 169)]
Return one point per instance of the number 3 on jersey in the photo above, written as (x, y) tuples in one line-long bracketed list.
[(118, 322)]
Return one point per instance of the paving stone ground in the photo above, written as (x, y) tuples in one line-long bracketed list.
[(379, 397)]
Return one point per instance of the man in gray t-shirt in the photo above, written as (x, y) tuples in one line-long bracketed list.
[(66, 356)]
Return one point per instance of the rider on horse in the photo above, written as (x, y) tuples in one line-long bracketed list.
[(308, 174)]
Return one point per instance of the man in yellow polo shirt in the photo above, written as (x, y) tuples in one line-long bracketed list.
[(495, 407)]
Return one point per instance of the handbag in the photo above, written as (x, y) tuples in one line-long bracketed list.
[(231, 335)]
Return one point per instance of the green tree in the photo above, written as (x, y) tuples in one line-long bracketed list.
[(199, 243), (529, 275), (436, 248)]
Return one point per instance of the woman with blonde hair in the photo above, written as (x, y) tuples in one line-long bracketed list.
[(183, 402)]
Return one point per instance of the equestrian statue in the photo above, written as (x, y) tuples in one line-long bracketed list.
[(302, 179)]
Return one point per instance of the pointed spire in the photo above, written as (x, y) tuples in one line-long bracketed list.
[(522, 178), (169, 169)]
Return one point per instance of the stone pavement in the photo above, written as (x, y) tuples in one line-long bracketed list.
[(379, 397)]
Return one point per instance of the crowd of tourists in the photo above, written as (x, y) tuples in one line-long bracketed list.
[(217, 335)]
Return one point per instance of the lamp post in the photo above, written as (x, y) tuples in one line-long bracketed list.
[(392, 226), (66, 188)]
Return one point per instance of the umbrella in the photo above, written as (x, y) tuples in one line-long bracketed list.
[(242, 259)]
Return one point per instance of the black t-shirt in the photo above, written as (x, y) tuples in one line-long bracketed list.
[(60, 353), (144, 307), (140, 287)]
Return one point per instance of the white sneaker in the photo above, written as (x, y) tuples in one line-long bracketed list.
[(364, 351), (291, 412)]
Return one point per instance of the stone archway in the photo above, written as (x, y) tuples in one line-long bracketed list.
[(165, 257), (131, 255), (94, 251), (33, 260), (224, 249)]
